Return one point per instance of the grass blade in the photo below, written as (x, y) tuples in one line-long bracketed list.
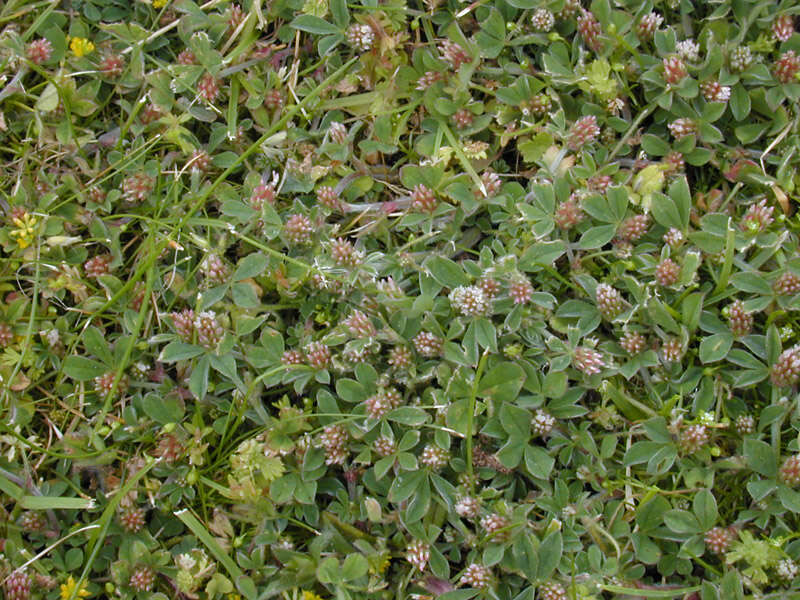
[(197, 528), (55, 503)]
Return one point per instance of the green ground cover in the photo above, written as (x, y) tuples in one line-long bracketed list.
[(399, 299)]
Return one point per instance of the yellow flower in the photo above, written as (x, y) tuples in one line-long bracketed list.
[(384, 564), (80, 46), (25, 231), (68, 588), (311, 596), (160, 3)]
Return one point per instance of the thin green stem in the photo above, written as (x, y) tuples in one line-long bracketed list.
[(471, 413)]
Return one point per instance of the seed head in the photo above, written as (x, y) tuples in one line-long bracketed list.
[(469, 301), (757, 218), (262, 194), (672, 351), (209, 330), (745, 424), (46, 582), (667, 272), (274, 100), (428, 344), (786, 370), (98, 265), (674, 162), (552, 590), (589, 29), (463, 118), (418, 554), (688, 50), (142, 579), (298, 229), (208, 88), (786, 67), (18, 585), (378, 405), (538, 106), (520, 290), (337, 132), (491, 183), (543, 20), (318, 355), (434, 457), (681, 128), (292, 357), (568, 214), (787, 284), (633, 228), (132, 519), (184, 324), (454, 54), (648, 25), (476, 576), (588, 360), (674, 70), (787, 569), (599, 183), (609, 301), (490, 287), (384, 446), (200, 161), (468, 507), (542, 422), (783, 27), (713, 91), (570, 8), (344, 253), (355, 356), (423, 199), (235, 17), (360, 37), (334, 440), (718, 539), (215, 269), (32, 521), (789, 472), (327, 196), (693, 438), (633, 343), (39, 51), (149, 113), (740, 59), (400, 358), (104, 383), (112, 65), (186, 57), (360, 325), (739, 320), (7, 335), (137, 187), (584, 131), (427, 79), (493, 524), (673, 238)]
